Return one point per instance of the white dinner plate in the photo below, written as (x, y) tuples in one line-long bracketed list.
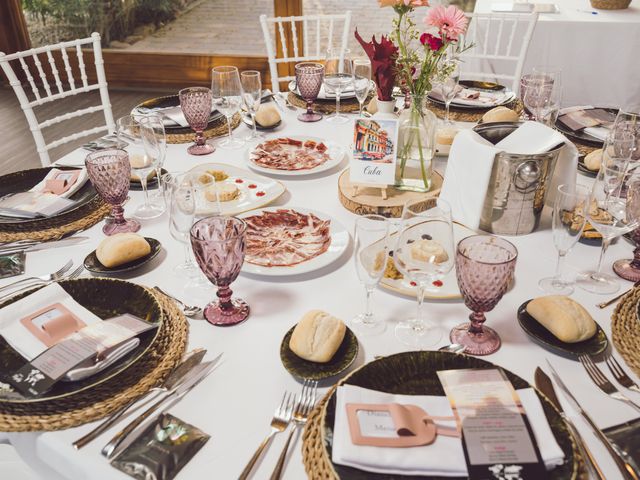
[(339, 243), (322, 95), (335, 151), (249, 198), (449, 288)]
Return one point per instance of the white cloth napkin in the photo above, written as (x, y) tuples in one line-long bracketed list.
[(601, 133), (444, 457), (17, 334), (467, 177), (485, 99), (82, 178)]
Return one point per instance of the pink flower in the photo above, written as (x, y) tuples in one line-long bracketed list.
[(406, 3), (435, 43), (449, 20)]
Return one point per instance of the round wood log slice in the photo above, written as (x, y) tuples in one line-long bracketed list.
[(369, 199)]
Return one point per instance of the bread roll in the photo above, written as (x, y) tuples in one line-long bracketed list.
[(566, 319), (122, 248), (445, 136), (593, 160), (424, 250), (267, 115), (226, 192), (500, 114), (317, 336)]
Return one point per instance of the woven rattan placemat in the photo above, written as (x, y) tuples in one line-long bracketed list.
[(113, 394), (470, 115), (217, 128), (327, 106), (625, 329)]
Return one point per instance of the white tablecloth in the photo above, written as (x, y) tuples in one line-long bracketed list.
[(598, 54), (235, 404)]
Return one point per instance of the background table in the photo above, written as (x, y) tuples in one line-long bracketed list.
[(235, 404), (598, 54)]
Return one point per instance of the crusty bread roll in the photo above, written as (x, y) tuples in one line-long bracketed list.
[(445, 136), (226, 192), (423, 250), (593, 160), (267, 115), (566, 319), (317, 336), (122, 248), (500, 114)]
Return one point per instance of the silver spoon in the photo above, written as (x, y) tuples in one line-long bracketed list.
[(453, 348), (188, 310)]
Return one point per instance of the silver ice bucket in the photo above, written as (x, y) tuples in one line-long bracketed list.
[(518, 185)]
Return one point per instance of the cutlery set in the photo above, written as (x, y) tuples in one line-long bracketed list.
[(25, 284)]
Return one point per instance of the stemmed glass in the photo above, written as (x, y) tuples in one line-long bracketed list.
[(361, 79), (628, 121), (484, 268), (568, 222), (338, 75), (219, 247), (449, 85), (424, 253), (309, 77), (110, 173), (542, 98), (370, 254), (195, 103), (182, 211), (227, 96), (154, 140), (252, 96)]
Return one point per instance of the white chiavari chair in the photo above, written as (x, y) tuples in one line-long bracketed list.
[(317, 32), (501, 44), (66, 85)]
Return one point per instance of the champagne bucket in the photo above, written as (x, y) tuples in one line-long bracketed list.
[(518, 185)]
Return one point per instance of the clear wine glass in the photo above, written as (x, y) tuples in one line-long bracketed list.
[(424, 254), (159, 150), (110, 174), (361, 80), (219, 247), (252, 96), (484, 268), (182, 214), (371, 250), (542, 97), (568, 222), (449, 85), (195, 103), (628, 121), (338, 76), (227, 96), (309, 78)]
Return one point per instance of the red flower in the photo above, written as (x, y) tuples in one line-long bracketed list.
[(435, 43), (383, 63)]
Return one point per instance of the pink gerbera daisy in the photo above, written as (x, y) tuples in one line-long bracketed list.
[(449, 20)]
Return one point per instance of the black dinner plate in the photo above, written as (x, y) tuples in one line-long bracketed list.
[(173, 101), (134, 184), (580, 136), (301, 368), (543, 337), (92, 263), (24, 180), (582, 168)]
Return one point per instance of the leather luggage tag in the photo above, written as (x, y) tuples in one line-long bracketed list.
[(394, 425)]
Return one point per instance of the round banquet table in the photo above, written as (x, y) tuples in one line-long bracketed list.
[(236, 402)]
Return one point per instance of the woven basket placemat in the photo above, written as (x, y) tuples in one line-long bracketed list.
[(625, 329), (470, 115), (111, 395), (217, 128), (327, 106)]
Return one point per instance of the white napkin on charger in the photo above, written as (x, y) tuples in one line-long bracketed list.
[(80, 181), (484, 100), (444, 457)]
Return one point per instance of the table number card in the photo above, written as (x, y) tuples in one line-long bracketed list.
[(497, 438), (373, 160)]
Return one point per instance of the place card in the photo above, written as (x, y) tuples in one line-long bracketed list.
[(497, 438), (374, 155)]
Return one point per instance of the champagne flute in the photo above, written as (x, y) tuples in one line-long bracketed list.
[(252, 96), (338, 70), (227, 96), (182, 212), (424, 253), (154, 140), (449, 85), (195, 103), (568, 222), (371, 236), (361, 79)]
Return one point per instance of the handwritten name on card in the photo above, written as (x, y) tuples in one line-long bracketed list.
[(374, 154)]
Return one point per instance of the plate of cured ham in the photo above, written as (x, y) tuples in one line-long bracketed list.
[(290, 241), (293, 156)]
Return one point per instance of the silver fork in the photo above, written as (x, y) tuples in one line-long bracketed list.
[(603, 382), (279, 423), (69, 276), (43, 278), (621, 376), (301, 413)]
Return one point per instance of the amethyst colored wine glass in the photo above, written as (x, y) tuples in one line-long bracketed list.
[(629, 269), (196, 103), (484, 268), (309, 78), (109, 172), (219, 244)]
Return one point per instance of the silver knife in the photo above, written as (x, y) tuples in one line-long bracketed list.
[(193, 378), (543, 383), (625, 467), (33, 247), (190, 360)]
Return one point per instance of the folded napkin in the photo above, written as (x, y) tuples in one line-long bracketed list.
[(601, 133), (17, 335), (77, 184), (471, 97), (444, 457)]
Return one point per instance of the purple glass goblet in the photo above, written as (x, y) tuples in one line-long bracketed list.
[(484, 268), (196, 103), (309, 78), (219, 244), (629, 269), (110, 172)]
